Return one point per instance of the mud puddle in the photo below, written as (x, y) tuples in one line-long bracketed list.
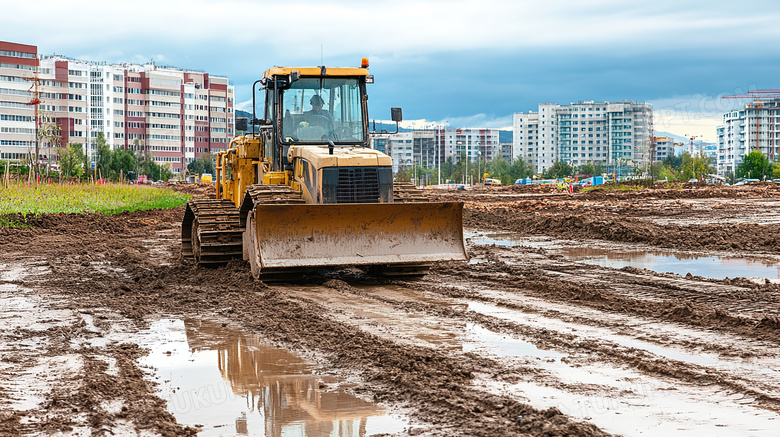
[(606, 392), (420, 329), (27, 374), (765, 368), (675, 262), (680, 263), (232, 383)]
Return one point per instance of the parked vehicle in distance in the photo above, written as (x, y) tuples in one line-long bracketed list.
[(492, 181)]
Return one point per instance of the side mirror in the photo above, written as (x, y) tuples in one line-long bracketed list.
[(395, 114)]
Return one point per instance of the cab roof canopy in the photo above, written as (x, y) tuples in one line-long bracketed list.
[(317, 71)]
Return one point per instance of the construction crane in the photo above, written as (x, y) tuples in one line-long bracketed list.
[(760, 98), (765, 94), (692, 137)]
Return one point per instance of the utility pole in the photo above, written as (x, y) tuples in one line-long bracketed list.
[(438, 152), (35, 101)]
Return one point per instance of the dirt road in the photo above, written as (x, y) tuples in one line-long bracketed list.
[(548, 330)]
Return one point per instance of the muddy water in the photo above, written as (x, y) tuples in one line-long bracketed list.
[(675, 262), (659, 261), (231, 383), (615, 397), (26, 376)]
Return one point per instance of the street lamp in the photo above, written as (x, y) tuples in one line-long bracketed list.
[(466, 178), (479, 162)]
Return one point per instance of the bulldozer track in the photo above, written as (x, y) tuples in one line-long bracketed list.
[(404, 192), (210, 232), (212, 229), (267, 194)]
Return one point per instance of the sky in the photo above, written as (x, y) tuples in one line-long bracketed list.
[(455, 62)]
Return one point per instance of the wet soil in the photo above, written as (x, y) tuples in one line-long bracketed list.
[(519, 341)]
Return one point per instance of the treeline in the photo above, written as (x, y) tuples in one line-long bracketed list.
[(498, 168), (113, 165), (672, 168), (110, 164)]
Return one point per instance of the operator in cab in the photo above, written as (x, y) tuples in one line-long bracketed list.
[(317, 116)]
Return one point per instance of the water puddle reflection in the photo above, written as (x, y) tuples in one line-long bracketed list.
[(237, 384), (478, 338), (674, 262), (680, 263)]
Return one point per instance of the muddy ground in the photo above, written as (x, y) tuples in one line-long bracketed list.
[(521, 340)]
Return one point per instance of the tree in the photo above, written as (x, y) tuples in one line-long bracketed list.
[(662, 172), (754, 166), (166, 173), (122, 162), (71, 159), (498, 168), (403, 175), (103, 157), (149, 168), (694, 167), (520, 169), (204, 164), (591, 169), (673, 162), (559, 169)]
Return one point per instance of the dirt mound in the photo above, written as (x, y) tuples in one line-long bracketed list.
[(194, 189)]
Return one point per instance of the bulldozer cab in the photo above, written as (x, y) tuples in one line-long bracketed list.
[(316, 106), (320, 110)]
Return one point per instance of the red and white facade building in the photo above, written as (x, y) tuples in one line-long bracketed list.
[(173, 115)]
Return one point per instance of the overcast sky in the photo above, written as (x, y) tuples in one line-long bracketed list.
[(464, 63)]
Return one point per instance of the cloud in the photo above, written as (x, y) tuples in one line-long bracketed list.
[(443, 60), (296, 30)]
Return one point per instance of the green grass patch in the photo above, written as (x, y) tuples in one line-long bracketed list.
[(12, 222), (71, 199)]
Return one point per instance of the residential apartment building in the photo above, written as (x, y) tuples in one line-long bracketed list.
[(506, 152), (172, 115), (400, 147), (470, 143), (429, 147), (664, 147), (602, 133), (18, 63), (755, 127)]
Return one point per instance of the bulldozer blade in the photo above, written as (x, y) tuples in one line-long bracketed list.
[(356, 234)]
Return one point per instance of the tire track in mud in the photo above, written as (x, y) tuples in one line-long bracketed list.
[(51, 383), (674, 303), (433, 384), (582, 351), (765, 393), (737, 295)]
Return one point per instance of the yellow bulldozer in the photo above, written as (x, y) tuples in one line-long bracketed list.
[(304, 188)]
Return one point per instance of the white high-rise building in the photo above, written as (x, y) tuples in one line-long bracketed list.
[(399, 146), (755, 127), (602, 133), (471, 144), (427, 147)]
